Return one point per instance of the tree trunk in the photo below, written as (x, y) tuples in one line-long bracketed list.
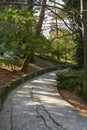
[(41, 18), (38, 31), (27, 61), (84, 31)]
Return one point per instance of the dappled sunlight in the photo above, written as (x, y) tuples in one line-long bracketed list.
[(44, 81), (53, 74), (38, 105), (32, 103), (45, 93), (37, 37), (22, 92)]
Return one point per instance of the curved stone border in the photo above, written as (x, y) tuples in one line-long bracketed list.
[(14, 83)]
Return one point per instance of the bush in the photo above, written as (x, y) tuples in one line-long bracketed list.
[(71, 80)]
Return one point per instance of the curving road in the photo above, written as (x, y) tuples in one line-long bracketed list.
[(36, 105)]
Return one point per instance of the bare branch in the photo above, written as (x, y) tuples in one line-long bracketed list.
[(61, 19)]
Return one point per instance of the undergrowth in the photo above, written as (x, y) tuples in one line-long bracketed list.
[(71, 80)]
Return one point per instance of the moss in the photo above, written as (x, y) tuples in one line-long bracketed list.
[(8, 87)]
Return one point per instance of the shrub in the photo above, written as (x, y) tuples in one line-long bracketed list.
[(71, 80)]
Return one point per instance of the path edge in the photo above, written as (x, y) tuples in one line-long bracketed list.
[(14, 83)]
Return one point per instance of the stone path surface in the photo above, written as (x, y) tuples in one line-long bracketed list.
[(36, 105)]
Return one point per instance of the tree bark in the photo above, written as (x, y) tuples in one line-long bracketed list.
[(41, 18), (27, 61), (38, 31), (84, 32)]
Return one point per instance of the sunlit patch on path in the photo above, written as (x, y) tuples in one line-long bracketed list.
[(36, 105)]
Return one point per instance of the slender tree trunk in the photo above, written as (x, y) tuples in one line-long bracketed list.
[(38, 31), (41, 18), (84, 31), (27, 61)]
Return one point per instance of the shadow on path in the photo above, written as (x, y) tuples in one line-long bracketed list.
[(36, 105)]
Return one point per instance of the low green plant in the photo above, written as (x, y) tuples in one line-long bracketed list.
[(71, 80)]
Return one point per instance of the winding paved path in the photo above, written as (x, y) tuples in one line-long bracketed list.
[(36, 105)]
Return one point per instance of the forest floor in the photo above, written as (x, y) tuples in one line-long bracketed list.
[(6, 75)]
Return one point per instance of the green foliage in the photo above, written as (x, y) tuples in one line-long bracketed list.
[(8, 57), (71, 4), (63, 48), (72, 80), (43, 45), (16, 34), (74, 6), (79, 52)]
